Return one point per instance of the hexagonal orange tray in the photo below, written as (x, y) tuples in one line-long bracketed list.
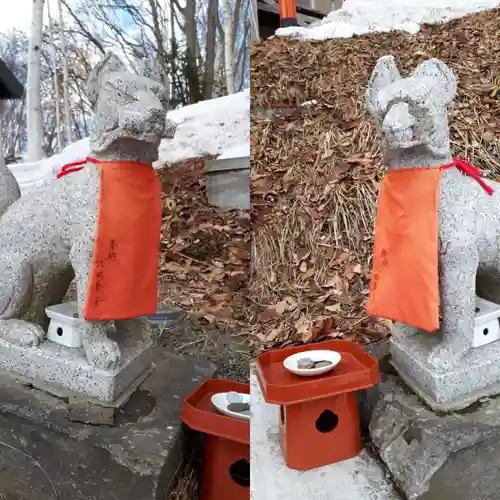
[(199, 413), (357, 370)]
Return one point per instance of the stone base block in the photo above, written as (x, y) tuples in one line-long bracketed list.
[(64, 371), (434, 455), (475, 376), (45, 456)]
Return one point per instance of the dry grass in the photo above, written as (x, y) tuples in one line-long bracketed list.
[(186, 488), (316, 168)]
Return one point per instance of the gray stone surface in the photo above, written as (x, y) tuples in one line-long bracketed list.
[(360, 478), (412, 118), (64, 371), (47, 236), (474, 376), (434, 455), (471, 474), (45, 456), (228, 183), (368, 398)]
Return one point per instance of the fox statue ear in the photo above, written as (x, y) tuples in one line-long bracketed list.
[(151, 68), (110, 63), (384, 73), (446, 82)]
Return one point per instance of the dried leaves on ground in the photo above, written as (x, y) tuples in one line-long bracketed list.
[(204, 258), (316, 167)]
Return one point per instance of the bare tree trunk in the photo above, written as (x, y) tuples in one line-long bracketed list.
[(228, 46), (67, 110), (33, 94), (160, 40), (189, 12), (254, 21), (56, 81), (211, 41), (2, 155)]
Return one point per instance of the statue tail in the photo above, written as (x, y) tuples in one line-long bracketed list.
[(9, 189)]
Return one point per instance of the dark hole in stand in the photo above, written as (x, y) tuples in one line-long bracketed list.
[(327, 421), (477, 310), (282, 414), (485, 331), (59, 331), (240, 473)]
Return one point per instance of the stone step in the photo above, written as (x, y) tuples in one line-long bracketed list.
[(360, 478), (46, 456)]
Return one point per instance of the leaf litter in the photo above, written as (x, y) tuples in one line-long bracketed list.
[(205, 251), (316, 168)]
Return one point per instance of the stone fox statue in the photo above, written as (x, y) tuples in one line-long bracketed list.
[(411, 115), (47, 237)]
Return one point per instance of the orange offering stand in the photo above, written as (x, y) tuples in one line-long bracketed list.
[(226, 474), (319, 417)]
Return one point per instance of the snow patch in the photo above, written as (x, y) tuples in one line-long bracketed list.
[(208, 128), (238, 151), (359, 17), (31, 174)]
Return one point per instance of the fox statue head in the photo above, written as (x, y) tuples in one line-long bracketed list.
[(412, 112), (130, 111)]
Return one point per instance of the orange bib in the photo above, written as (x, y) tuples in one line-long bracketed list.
[(124, 274), (405, 283)]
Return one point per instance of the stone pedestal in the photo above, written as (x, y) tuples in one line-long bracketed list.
[(46, 456), (64, 371), (438, 456), (475, 376)]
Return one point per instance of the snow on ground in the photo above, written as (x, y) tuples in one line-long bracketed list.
[(31, 174), (208, 128), (218, 126), (358, 17), (236, 152)]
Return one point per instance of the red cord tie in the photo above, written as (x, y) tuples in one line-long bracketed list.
[(471, 171), (76, 166)]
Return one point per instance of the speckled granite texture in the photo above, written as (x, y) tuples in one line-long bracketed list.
[(477, 375), (411, 114), (47, 237), (64, 371)]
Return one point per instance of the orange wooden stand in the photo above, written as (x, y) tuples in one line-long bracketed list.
[(319, 417), (226, 474)]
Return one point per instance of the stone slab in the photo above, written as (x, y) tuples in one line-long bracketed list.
[(435, 455), (474, 377), (368, 398), (360, 478), (228, 183), (64, 371), (45, 456)]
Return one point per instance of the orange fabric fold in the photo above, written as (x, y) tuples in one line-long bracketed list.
[(405, 284), (124, 274)]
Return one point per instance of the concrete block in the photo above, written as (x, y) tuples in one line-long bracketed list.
[(228, 183), (360, 478)]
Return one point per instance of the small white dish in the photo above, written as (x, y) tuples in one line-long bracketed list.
[(290, 363), (220, 401)]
